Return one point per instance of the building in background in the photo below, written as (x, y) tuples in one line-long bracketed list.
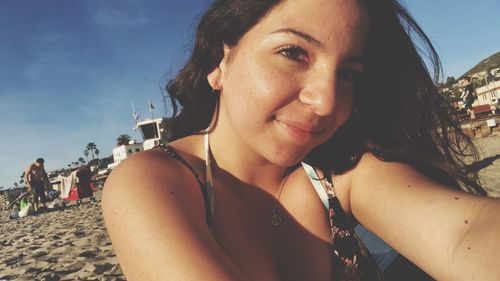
[(153, 131)]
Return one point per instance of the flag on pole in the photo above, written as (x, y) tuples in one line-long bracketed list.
[(134, 114), (151, 107)]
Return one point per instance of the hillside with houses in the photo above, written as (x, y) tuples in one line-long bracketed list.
[(483, 91)]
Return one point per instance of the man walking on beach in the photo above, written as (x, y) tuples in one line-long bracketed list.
[(36, 177)]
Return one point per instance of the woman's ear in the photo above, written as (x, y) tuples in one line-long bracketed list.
[(216, 77)]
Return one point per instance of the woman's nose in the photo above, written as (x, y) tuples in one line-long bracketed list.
[(320, 92)]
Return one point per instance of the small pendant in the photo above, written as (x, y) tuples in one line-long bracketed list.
[(275, 219)]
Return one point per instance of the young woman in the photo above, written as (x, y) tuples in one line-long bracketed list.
[(335, 84)]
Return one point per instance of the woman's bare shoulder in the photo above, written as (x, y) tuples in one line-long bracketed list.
[(150, 177), (150, 203), (153, 207)]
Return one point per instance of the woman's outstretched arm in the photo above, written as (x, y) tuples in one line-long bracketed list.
[(154, 213), (450, 234)]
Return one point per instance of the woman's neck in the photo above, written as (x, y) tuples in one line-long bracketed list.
[(234, 156)]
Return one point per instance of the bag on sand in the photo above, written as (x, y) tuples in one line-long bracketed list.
[(26, 209)]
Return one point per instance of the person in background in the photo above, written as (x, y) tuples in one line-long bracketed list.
[(36, 178), (468, 95), (84, 184)]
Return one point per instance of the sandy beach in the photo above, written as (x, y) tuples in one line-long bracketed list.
[(69, 244), (72, 244), (489, 164)]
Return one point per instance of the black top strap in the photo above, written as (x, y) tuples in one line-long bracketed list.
[(174, 154)]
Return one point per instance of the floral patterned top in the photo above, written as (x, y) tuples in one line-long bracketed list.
[(352, 259)]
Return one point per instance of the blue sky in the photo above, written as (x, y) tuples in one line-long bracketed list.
[(70, 69)]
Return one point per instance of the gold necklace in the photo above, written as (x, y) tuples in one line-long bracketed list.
[(275, 218)]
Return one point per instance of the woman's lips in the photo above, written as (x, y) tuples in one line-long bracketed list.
[(300, 132)]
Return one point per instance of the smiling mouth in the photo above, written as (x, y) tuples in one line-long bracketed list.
[(298, 131)]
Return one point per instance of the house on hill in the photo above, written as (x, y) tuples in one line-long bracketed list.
[(488, 94)]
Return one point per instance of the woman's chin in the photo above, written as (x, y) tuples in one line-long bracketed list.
[(287, 157)]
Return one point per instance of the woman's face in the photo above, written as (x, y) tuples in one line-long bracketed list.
[(288, 84)]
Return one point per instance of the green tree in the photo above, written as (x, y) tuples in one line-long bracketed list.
[(21, 181), (81, 160), (104, 162), (91, 147), (86, 153), (478, 82), (489, 76), (123, 139), (450, 81)]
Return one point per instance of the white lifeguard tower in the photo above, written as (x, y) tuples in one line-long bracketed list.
[(154, 132)]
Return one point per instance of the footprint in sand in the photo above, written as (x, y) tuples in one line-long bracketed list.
[(40, 254), (34, 247), (79, 233), (88, 254)]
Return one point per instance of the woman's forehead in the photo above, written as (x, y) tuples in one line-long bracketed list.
[(327, 21), (312, 12)]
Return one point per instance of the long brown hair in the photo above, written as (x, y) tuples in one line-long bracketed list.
[(399, 115)]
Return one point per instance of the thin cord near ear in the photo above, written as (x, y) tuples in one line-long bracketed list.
[(215, 117)]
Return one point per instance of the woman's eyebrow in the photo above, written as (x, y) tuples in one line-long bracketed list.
[(309, 38)]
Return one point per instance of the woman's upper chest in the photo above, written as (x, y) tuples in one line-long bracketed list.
[(298, 248)]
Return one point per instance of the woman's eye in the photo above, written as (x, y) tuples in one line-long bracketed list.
[(294, 52)]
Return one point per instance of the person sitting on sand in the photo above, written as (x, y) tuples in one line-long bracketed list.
[(36, 178), (334, 84)]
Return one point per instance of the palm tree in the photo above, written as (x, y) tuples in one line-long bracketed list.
[(86, 153), (96, 151), (122, 139), (81, 160), (21, 181), (91, 147)]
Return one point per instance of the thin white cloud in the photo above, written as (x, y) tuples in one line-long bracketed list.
[(49, 57), (115, 18)]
